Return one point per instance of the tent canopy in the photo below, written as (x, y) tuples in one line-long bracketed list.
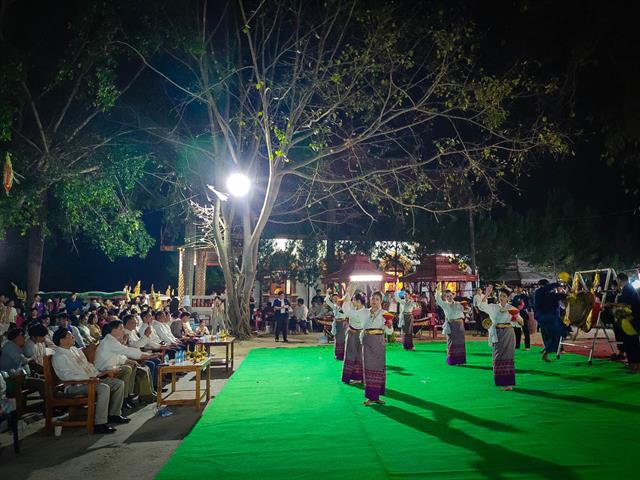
[(520, 272), (438, 268)]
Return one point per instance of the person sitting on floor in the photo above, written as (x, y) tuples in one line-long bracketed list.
[(70, 364)]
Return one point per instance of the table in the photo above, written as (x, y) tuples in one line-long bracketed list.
[(184, 397), (228, 342)]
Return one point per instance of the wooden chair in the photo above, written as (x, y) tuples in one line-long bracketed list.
[(55, 397), (90, 352)]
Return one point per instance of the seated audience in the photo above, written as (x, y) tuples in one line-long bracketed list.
[(70, 364), (111, 354)]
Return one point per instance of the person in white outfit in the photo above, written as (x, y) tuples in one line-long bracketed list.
[(70, 364)]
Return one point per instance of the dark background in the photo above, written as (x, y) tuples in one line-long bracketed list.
[(590, 47)]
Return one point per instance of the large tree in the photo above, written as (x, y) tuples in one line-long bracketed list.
[(61, 77), (339, 111)]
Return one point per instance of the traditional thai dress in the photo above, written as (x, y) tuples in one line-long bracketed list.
[(373, 355), (352, 368), (453, 328), (339, 326), (405, 322), (503, 341)]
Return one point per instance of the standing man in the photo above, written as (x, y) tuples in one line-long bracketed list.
[(547, 313), (629, 296), (70, 364), (521, 301), (282, 308)]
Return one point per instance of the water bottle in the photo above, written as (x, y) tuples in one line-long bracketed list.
[(166, 359)]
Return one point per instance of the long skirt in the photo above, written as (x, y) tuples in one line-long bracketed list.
[(352, 368), (456, 350), (373, 357), (340, 340), (407, 332), (504, 372)]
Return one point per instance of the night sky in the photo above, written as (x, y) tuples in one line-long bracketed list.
[(591, 46)]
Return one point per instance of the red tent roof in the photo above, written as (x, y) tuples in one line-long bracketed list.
[(356, 265), (437, 268)]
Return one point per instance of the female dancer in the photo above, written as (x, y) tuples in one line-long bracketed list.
[(340, 323), (501, 338), (453, 327), (374, 351), (358, 315), (405, 319)]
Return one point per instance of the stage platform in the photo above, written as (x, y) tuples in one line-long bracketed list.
[(285, 415)]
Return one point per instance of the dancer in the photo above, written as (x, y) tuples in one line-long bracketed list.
[(352, 370), (501, 338), (547, 312), (453, 327), (405, 319), (374, 351), (340, 323)]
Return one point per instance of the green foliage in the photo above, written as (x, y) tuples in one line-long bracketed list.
[(97, 206)]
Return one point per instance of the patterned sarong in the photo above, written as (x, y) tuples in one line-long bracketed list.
[(340, 340), (352, 367), (375, 375), (504, 373), (456, 350), (407, 332)]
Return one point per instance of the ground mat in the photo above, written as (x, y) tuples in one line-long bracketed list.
[(285, 414)]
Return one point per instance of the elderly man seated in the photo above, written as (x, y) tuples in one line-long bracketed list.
[(112, 354), (134, 340), (161, 325), (70, 364), (62, 321)]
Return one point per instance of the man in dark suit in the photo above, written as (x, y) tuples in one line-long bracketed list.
[(281, 308)]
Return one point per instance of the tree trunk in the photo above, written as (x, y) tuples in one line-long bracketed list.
[(472, 242), (34, 260), (238, 310)]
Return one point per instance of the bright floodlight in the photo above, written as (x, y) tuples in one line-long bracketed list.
[(238, 184), (366, 278), (636, 284)]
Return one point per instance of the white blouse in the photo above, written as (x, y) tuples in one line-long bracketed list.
[(452, 311), (498, 314), (357, 318), (376, 320)]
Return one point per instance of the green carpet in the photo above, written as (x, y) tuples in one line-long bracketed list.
[(285, 414)]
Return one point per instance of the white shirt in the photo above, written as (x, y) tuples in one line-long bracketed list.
[(111, 353), (153, 338), (134, 340), (71, 364), (164, 332), (35, 351), (497, 314), (376, 320), (477, 298), (452, 311), (357, 318)]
